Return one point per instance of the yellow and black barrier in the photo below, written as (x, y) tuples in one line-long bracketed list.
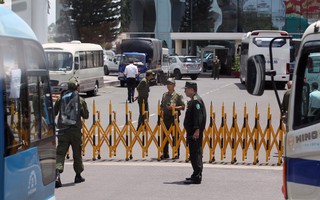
[(215, 138)]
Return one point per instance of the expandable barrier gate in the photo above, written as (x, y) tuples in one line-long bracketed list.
[(222, 138)]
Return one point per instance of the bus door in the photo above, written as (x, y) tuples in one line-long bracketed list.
[(303, 139)]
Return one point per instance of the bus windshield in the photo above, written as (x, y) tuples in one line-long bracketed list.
[(59, 61)]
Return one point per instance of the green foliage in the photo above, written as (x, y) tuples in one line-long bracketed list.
[(197, 16), (125, 15), (89, 21)]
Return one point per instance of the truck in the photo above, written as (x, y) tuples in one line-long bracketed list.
[(146, 54), (301, 161)]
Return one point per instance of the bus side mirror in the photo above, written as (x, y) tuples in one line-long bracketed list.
[(255, 79)]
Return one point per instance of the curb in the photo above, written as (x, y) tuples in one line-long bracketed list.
[(111, 83)]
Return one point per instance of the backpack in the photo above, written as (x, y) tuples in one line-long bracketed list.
[(69, 109)]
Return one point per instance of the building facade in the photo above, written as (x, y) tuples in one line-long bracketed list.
[(34, 13)]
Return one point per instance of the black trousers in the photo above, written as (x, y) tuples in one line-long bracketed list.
[(195, 148), (131, 85), (141, 115)]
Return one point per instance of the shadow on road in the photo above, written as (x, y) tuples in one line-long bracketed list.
[(240, 86), (68, 184), (175, 183)]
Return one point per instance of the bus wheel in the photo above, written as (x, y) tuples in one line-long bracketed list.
[(106, 70), (94, 92)]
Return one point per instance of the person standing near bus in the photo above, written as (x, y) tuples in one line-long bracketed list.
[(314, 98), (216, 68), (131, 72), (169, 99), (194, 123), (143, 94), (70, 130)]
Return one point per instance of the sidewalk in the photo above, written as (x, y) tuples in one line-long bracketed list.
[(111, 80)]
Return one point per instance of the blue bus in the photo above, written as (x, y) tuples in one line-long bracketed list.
[(27, 132)]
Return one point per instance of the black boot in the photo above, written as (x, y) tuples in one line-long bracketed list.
[(78, 178), (58, 181)]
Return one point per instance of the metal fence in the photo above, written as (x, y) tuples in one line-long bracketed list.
[(224, 139)]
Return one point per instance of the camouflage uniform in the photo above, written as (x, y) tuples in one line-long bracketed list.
[(168, 118), (216, 69), (70, 135), (143, 94)]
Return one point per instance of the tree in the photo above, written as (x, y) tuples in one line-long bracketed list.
[(198, 17), (125, 15), (90, 21)]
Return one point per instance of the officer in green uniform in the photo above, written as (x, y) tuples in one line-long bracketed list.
[(216, 68), (194, 123), (70, 135), (169, 99), (143, 94)]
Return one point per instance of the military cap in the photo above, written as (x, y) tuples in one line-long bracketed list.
[(191, 85), (73, 83), (171, 81), (150, 72)]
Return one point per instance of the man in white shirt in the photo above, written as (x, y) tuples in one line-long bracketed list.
[(314, 98), (131, 72)]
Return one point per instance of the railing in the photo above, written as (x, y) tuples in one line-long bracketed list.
[(228, 140)]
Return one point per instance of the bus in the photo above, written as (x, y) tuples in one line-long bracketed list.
[(257, 42), (301, 161), (27, 131), (83, 61)]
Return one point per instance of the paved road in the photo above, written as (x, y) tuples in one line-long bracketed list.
[(146, 178), (117, 180)]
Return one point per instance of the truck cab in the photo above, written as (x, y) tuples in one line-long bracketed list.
[(301, 163), (140, 60)]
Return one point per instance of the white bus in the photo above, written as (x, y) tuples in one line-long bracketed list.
[(257, 42), (301, 161), (75, 59)]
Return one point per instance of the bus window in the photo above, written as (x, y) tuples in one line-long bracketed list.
[(83, 60), (265, 42), (59, 61), (39, 100), (308, 99)]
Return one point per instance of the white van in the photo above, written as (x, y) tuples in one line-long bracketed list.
[(110, 62), (257, 42), (75, 59), (301, 166)]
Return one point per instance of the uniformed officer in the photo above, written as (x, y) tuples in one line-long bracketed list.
[(143, 94), (70, 135), (216, 68), (194, 123), (169, 99)]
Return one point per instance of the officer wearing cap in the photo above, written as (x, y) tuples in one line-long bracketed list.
[(194, 123), (169, 99), (143, 94), (70, 135)]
